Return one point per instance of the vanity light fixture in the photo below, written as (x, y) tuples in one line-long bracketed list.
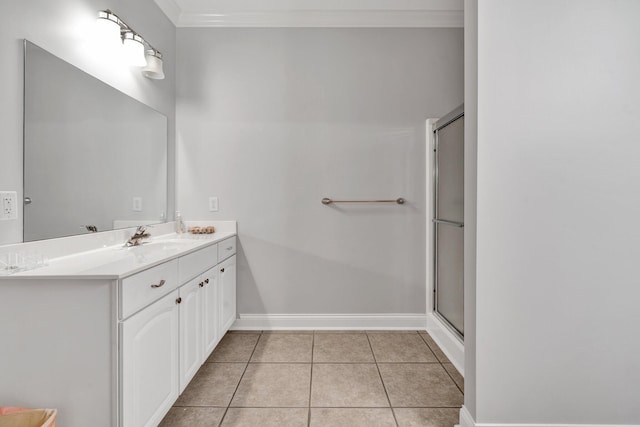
[(136, 50)]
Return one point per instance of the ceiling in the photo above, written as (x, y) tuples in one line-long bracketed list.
[(314, 13)]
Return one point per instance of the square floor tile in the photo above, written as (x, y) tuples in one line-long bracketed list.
[(400, 348), (419, 385), (288, 348), (427, 417), (234, 348), (457, 377), (340, 331), (193, 417), (266, 417), (347, 385), (434, 347), (213, 385), (351, 348), (352, 417), (274, 385)]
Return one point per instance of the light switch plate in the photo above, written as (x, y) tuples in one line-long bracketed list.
[(137, 204), (213, 204), (8, 205)]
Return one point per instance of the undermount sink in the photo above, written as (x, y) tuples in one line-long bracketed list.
[(159, 245)]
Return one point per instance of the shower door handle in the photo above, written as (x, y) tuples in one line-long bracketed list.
[(445, 222)]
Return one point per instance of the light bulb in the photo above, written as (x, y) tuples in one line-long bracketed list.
[(134, 49), (108, 31)]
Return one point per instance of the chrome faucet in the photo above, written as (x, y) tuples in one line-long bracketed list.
[(135, 240)]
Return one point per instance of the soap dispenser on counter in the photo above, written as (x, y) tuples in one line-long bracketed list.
[(180, 228)]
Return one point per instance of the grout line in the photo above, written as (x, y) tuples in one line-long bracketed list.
[(239, 381), (313, 344), (430, 349), (442, 363), (451, 376), (384, 387)]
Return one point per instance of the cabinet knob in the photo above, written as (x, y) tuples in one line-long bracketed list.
[(201, 284), (178, 300), (159, 285), (222, 270), (206, 280)]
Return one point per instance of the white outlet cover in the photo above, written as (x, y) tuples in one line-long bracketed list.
[(8, 205)]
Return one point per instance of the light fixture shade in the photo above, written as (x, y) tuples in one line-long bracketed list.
[(108, 30), (134, 49), (153, 70)]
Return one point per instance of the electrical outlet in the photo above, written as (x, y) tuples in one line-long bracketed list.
[(8, 205), (213, 204), (137, 204)]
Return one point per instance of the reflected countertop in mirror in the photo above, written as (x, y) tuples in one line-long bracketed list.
[(95, 159)]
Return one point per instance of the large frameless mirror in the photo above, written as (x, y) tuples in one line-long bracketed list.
[(95, 159)]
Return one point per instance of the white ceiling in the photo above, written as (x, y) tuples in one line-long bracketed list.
[(314, 13)]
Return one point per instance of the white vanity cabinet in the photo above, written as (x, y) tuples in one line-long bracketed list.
[(203, 308), (228, 292), (149, 349), (113, 345), (211, 330), (191, 330)]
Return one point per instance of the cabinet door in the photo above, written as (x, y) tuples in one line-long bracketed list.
[(149, 343), (228, 293), (190, 330), (210, 311)]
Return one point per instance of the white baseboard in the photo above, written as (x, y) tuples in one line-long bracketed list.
[(449, 343), (466, 420), (329, 321)]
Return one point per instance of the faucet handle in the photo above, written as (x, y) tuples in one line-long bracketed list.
[(141, 229)]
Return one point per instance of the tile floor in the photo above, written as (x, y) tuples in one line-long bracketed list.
[(322, 379)]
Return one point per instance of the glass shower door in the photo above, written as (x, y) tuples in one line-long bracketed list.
[(449, 220)]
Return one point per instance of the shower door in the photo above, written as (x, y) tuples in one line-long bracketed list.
[(448, 222)]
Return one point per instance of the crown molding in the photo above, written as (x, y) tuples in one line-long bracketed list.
[(171, 9), (426, 17), (322, 18)]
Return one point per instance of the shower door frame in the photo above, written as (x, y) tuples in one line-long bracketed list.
[(440, 124)]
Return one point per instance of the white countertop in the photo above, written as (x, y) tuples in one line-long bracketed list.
[(116, 262)]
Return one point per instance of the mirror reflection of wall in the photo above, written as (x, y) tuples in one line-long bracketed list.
[(93, 156)]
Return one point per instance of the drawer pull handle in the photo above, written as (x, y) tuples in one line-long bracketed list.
[(179, 300), (159, 285), (206, 280), (201, 284), (229, 248), (222, 270)]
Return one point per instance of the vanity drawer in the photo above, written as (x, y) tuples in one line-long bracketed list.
[(197, 262), (142, 289), (226, 248)]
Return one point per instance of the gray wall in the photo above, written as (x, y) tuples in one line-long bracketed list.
[(64, 28), (273, 120), (470, 198), (557, 241)]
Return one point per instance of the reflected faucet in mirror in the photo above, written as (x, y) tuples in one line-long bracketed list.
[(138, 236)]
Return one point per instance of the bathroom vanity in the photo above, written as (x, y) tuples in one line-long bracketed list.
[(112, 336)]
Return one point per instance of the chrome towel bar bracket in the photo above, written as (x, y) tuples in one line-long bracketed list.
[(328, 201)]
